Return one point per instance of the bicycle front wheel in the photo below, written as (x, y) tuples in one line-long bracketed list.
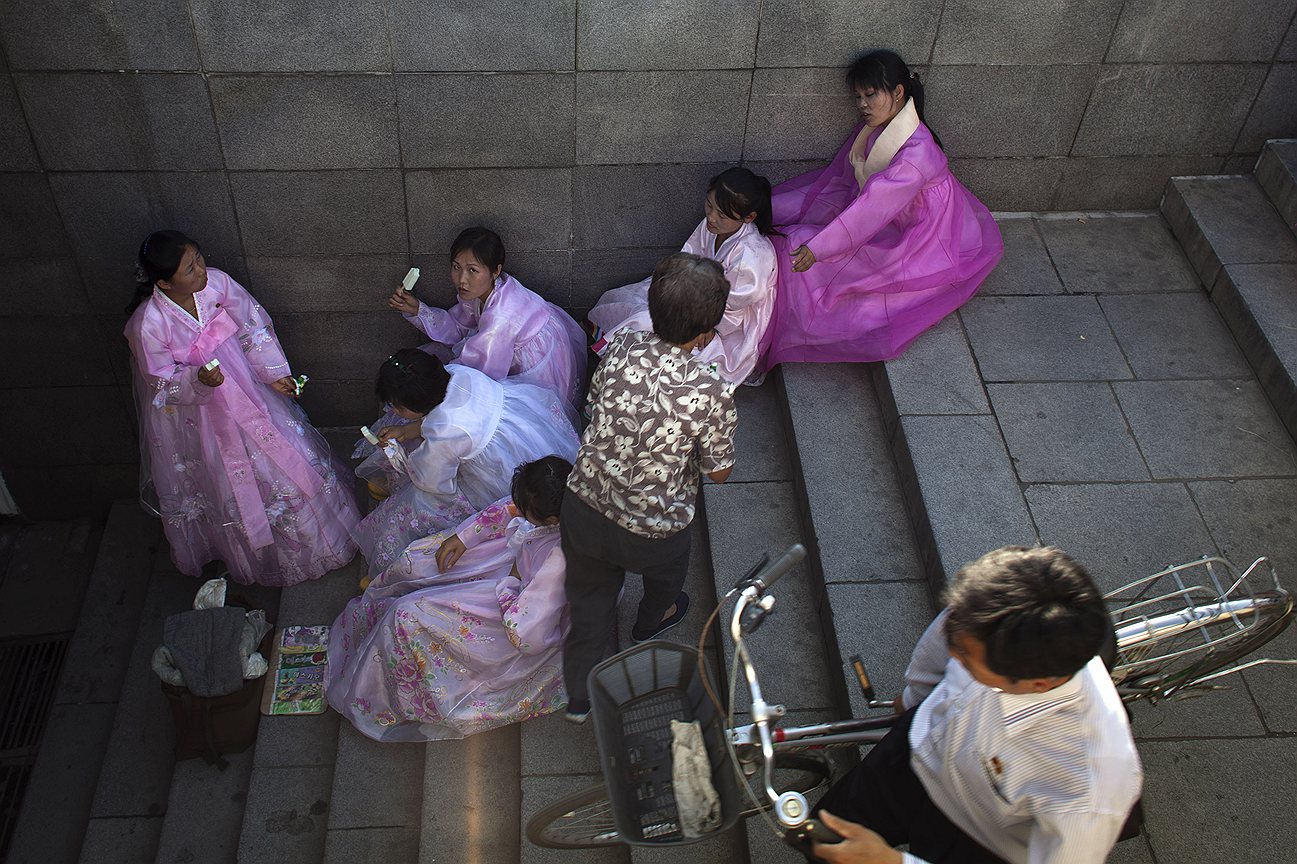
[(584, 818)]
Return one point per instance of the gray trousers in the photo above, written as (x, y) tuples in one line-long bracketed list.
[(598, 553)]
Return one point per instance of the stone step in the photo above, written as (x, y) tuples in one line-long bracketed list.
[(375, 809), (472, 798), (290, 789), (61, 791), (1276, 171), (1246, 256)]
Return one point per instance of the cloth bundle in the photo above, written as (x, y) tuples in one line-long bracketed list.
[(697, 803), (211, 649)]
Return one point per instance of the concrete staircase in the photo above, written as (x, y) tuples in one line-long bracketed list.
[(892, 474)]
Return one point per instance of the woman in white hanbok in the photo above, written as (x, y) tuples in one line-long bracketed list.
[(734, 233), (467, 433)]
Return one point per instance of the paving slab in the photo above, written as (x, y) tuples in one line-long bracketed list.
[(1133, 851), (1108, 183), (286, 818), (1225, 713), (136, 776), (665, 35), (936, 375), (789, 651), (551, 745), (471, 793), (539, 792), (1201, 429), (1276, 172), (205, 811), (1121, 531), (958, 477), (729, 847), (1271, 686), (881, 622), (1211, 801), (375, 784), (1066, 431), (47, 577), (1259, 304), (1026, 267), (346, 845), (1174, 336), (1226, 220), (760, 444), (1042, 339), (121, 840), (852, 474), (320, 601), (59, 796), (311, 740)]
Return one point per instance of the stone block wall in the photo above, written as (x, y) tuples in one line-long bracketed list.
[(318, 148)]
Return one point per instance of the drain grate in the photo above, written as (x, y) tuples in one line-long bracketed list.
[(29, 673)]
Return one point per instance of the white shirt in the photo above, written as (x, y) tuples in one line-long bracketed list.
[(1041, 778)]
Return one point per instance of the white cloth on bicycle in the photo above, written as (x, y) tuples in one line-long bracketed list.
[(697, 803), (1041, 778)]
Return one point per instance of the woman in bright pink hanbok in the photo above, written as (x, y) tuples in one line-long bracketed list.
[(464, 632), (228, 459), (881, 244), (735, 232)]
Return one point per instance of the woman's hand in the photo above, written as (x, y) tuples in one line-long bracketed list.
[(408, 432), (403, 301), (449, 552), (286, 386), (803, 258), (859, 845), (210, 377)]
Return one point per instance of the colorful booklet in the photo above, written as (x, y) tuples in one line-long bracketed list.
[(295, 683)]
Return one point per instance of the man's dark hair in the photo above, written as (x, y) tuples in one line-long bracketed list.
[(1036, 610), (686, 297)]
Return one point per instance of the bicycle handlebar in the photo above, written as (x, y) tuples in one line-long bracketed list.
[(766, 579)]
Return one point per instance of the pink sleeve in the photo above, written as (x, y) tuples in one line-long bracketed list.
[(885, 195), (256, 334), (750, 276), (440, 325), (490, 349), (490, 524), (535, 618), (173, 383)]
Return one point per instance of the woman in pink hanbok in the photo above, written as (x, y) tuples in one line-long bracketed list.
[(228, 459), (464, 632), (499, 327), (881, 244), (464, 435), (734, 232)]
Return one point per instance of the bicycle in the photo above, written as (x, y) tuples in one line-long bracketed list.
[(1175, 631)]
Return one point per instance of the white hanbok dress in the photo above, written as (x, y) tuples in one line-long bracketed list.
[(749, 262), (472, 442)]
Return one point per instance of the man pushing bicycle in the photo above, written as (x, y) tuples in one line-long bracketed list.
[(1014, 745)]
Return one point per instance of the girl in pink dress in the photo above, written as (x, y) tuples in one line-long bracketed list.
[(464, 632), (881, 244), (228, 459), (735, 232)]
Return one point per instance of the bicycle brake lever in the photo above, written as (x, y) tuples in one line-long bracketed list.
[(749, 578), (755, 614)]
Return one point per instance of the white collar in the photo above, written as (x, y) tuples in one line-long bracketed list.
[(892, 138)]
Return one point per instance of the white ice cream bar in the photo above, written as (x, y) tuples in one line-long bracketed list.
[(410, 278), (212, 365), (369, 436)]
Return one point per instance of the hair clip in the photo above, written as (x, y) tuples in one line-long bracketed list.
[(392, 359)]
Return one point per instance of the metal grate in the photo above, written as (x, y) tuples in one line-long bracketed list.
[(29, 671)]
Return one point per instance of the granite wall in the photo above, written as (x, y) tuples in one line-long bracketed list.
[(318, 148)]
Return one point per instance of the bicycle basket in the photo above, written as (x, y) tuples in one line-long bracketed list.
[(634, 696)]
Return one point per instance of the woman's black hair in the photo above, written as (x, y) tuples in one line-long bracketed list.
[(159, 258), (484, 243), (740, 192), (412, 380), (537, 487), (885, 70)]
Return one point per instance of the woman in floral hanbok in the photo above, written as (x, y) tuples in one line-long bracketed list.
[(735, 231), (228, 459), (467, 433), (463, 633), (882, 243)]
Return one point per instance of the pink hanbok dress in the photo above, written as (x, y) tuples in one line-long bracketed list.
[(899, 244), (749, 261), (423, 655), (236, 472), (471, 444)]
